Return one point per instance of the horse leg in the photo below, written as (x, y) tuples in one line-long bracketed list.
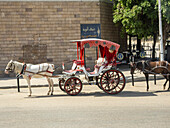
[(132, 80), (49, 85), (154, 79), (166, 77), (52, 86), (165, 83), (29, 84), (169, 82), (147, 76)]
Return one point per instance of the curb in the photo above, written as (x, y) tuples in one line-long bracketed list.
[(128, 80)]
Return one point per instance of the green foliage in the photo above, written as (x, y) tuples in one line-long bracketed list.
[(139, 17), (166, 10)]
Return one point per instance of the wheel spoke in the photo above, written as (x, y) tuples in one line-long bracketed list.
[(112, 81), (74, 86)]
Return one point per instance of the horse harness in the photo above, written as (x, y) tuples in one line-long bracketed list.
[(22, 71), (38, 73), (10, 67), (143, 66), (150, 71)]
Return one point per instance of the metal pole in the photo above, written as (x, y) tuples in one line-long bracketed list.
[(160, 32), (18, 84)]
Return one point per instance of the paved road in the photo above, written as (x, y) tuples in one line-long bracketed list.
[(133, 108)]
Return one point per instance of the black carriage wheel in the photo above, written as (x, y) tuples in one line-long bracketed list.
[(99, 85), (73, 86), (112, 81), (61, 85)]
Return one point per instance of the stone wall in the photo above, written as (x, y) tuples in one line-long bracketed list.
[(109, 30), (26, 27)]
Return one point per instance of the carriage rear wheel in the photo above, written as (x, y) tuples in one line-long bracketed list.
[(112, 81), (73, 86), (61, 85)]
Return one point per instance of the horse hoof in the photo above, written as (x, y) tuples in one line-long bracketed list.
[(29, 95), (51, 94), (48, 94)]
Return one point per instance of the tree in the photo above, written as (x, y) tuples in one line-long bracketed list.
[(137, 16), (166, 15), (140, 17), (166, 10)]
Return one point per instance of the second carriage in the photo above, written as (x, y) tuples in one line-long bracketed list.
[(105, 74)]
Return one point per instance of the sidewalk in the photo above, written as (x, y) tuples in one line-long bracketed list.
[(7, 83)]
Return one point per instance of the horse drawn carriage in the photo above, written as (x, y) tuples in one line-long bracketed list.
[(105, 74)]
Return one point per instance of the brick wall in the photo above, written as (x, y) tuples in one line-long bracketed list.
[(109, 30), (27, 26)]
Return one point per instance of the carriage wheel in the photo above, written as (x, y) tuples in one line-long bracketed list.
[(61, 85), (73, 86), (99, 85), (112, 81)]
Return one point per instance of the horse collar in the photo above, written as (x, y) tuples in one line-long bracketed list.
[(23, 69)]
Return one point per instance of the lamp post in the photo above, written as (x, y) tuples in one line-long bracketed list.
[(160, 32)]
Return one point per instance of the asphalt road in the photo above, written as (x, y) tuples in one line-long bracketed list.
[(92, 108)]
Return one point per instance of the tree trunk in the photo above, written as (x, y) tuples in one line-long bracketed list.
[(130, 44), (154, 44), (166, 30), (138, 45)]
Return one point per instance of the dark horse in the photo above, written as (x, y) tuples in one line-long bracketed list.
[(149, 67)]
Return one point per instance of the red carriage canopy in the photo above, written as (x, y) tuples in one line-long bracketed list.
[(104, 46), (97, 42)]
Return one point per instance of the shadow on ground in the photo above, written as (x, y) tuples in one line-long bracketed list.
[(101, 94)]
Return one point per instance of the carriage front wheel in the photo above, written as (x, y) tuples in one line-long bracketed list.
[(61, 84), (73, 86), (112, 81)]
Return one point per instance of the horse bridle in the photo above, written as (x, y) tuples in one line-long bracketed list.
[(11, 67)]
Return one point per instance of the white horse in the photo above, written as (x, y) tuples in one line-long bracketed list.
[(29, 70)]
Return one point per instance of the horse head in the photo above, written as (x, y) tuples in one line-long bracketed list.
[(10, 67)]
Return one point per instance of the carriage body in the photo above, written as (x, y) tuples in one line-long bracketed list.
[(105, 65)]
